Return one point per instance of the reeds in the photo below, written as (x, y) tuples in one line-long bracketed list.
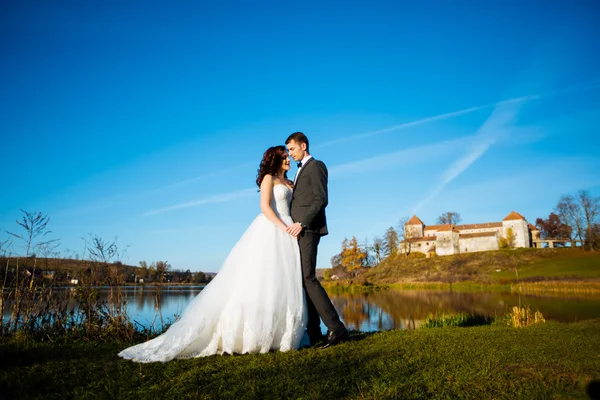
[(517, 317), (37, 310), (520, 317), (442, 320), (558, 287)]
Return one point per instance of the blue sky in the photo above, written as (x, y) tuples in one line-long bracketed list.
[(146, 121)]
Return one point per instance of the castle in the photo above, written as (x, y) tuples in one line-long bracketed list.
[(447, 239)]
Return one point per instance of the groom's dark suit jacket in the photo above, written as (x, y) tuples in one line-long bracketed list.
[(310, 197)]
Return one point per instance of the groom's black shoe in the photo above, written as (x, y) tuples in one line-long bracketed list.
[(317, 340), (334, 338)]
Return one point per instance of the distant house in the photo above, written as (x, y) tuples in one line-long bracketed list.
[(447, 239), (74, 281)]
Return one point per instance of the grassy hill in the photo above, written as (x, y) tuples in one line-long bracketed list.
[(492, 267), (53, 264)]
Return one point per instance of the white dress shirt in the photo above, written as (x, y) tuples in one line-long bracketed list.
[(304, 160)]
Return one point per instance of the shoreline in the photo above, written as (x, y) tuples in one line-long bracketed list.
[(556, 286)]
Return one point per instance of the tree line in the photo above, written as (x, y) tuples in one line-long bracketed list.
[(576, 217)]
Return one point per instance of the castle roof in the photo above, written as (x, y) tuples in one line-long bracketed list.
[(533, 227), (414, 221), (446, 228), (513, 216), (434, 227), (476, 235), (479, 226)]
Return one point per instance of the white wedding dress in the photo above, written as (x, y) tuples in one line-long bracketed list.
[(255, 303)]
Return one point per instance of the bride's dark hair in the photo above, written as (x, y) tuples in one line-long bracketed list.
[(271, 163)]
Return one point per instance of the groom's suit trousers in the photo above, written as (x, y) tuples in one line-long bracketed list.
[(318, 303)]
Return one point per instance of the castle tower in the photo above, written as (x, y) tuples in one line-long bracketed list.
[(518, 224), (414, 228), (447, 241)]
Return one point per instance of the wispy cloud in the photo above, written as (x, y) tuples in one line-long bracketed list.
[(409, 156), (496, 126), (197, 178), (401, 157), (590, 85), (219, 198), (428, 119)]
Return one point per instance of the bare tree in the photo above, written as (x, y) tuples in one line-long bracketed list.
[(570, 214), (449, 217), (590, 207)]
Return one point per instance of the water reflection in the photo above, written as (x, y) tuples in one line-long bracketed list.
[(373, 311), (407, 309)]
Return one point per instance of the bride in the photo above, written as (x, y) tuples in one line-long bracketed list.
[(256, 302)]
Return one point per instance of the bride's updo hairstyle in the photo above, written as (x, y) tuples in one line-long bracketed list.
[(271, 163)]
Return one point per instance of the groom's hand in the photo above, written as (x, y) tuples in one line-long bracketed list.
[(294, 229)]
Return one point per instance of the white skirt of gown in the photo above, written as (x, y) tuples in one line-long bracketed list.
[(255, 303)]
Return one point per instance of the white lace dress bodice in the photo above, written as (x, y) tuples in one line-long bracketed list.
[(255, 303), (282, 198)]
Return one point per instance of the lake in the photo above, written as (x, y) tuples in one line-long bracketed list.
[(377, 310)]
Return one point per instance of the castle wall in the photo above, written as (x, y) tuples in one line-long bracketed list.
[(425, 245), (446, 239), (480, 230), (520, 230), (485, 243), (447, 243), (413, 231)]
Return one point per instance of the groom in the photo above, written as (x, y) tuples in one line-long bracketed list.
[(308, 212)]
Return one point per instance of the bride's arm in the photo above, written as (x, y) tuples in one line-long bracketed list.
[(266, 193)]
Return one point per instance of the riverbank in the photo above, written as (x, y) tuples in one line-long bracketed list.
[(471, 363)]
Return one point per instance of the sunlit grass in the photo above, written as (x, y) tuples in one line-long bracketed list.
[(551, 360), (492, 270)]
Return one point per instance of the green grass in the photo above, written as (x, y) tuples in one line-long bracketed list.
[(551, 360), (502, 267), (566, 264)]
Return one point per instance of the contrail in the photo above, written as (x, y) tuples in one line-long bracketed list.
[(407, 156), (219, 198), (571, 89), (428, 119), (488, 134), (518, 100), (197, 178)]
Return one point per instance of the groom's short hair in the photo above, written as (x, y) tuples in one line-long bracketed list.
[(299, 138)]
